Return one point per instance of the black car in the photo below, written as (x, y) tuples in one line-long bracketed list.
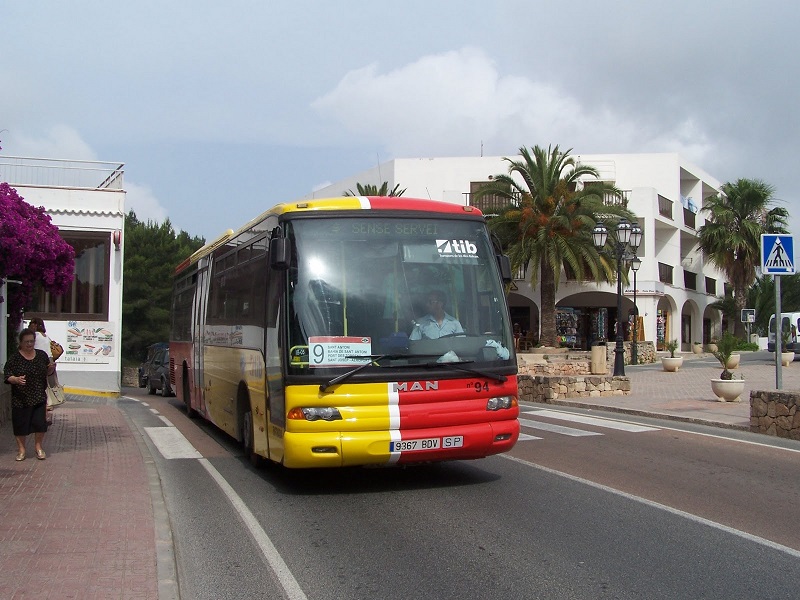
[(154, 372)]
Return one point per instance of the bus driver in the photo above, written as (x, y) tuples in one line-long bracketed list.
[(436, 323)]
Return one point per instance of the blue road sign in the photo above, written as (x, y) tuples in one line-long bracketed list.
[(777, 254)]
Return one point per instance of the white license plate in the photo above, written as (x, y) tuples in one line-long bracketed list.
[(420, 445)]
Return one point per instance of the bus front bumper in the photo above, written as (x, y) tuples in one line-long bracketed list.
[(340, 449)]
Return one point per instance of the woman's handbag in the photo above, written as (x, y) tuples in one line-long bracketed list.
[(56, 350), (55, 396)]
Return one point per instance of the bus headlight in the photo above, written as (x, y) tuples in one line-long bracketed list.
[(501, 402), (326, 413)]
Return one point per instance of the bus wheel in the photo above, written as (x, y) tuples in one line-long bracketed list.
[(247, 440)]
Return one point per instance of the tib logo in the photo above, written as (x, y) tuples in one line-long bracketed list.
[(777, 254), (461, 248)]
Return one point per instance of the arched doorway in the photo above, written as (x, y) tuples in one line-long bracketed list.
[(524, 312)]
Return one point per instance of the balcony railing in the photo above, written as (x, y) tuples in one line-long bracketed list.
[(665, 207), (665, 273), (491, 204), (73, 174), (711, 286), (689, 218)]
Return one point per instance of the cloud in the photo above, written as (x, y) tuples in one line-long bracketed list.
[(64, 142), (141, 200), (457, 103), (60, 141)]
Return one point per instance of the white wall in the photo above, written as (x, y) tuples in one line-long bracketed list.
[(97, 211)]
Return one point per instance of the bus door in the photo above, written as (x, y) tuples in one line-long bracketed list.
[(199, 311)]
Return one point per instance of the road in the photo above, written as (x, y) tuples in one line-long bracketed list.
[(579, 509)]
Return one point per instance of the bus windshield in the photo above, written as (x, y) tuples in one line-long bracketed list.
[(393, 292)]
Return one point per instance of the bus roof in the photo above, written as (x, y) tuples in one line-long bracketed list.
[(342, 203)]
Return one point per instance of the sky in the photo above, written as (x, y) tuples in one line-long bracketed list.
[(221, 109)]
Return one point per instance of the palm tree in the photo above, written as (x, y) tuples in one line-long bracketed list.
[(761, 297), (548, 222), (731, 236), (370, 189)]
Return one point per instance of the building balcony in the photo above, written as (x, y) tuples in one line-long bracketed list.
[(57, 173)]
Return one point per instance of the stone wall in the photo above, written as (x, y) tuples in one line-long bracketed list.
[(548, 388), (775, 413), (130, 376)]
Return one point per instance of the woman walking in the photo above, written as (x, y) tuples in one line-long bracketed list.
[(26, 371)]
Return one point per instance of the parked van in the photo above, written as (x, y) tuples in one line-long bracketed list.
[(789, 322)]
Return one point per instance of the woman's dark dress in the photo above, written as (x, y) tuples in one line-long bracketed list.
[(28, 402)]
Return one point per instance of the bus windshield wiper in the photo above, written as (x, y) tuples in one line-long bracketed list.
[(374, 361), (458, 365)]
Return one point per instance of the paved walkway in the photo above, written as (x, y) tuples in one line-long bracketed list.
[(686, 395), (89, 522), (81, 523)]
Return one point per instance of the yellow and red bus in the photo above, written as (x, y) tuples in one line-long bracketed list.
[(306, 336)]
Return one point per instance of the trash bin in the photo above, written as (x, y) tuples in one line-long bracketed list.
[(599, 365)]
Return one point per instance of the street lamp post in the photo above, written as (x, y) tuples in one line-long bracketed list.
[(627, 235), (635, 264)]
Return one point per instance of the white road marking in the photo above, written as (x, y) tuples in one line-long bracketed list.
[(664, 507), (281, 570), (556, 428), (524, 437), (596, 421), (171, 443)]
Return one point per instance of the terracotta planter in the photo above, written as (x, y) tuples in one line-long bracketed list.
[(786, 358), (671, 365), (727, 390), (733, 362)]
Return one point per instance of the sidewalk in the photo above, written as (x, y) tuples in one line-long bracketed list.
[(686, 395), (83, 523), (89, 522)]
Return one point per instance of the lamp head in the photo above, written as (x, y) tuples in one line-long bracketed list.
[(623, 231), (636, 236), (599, 235)]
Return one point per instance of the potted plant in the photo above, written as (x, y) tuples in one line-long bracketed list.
[(697, 347), (671, 363), (726, 388), (787, 355)]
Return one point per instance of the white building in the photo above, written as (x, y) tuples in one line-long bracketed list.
[(86, 201), (674, 286)]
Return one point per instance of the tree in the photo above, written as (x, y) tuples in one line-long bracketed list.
[(373, 190), (731, 236), (152, 252), (549, 221), (761, 297), (32, 252)]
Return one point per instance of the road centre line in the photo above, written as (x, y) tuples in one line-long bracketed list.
[(556, 428), (596, 421), (599, 486)]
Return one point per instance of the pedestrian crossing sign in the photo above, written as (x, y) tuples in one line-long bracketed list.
[(777, 254)]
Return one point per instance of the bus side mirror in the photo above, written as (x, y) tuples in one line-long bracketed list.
[(505, 267), (279, 253)]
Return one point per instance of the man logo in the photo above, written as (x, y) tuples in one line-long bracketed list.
[(449, 248)]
